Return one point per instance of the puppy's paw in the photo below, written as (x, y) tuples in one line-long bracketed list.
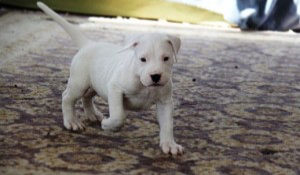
[(74, 124), (111, 125), (171, 148)]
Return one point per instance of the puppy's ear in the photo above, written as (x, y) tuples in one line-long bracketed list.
[(129, 46), (175, 43), (130, 42)]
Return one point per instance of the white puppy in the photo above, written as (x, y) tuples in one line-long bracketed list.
[(133, 77)]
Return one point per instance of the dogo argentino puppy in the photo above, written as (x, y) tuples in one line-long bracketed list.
[(130, 77)]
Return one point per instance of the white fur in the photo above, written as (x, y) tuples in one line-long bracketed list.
[(118, 75)]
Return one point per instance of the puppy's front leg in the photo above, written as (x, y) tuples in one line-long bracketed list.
[(165, 119), (116, 110)]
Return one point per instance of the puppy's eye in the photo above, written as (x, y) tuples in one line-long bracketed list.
[(166, 58), (143, 59)]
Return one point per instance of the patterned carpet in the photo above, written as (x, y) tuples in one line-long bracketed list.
[(237, 105)]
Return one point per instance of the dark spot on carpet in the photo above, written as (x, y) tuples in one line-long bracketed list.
[(240, 123), (268, 151)]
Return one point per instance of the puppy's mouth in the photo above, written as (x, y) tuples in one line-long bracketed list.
[(156, 85)]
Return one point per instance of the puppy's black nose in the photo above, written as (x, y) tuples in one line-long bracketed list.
[(155, 78)]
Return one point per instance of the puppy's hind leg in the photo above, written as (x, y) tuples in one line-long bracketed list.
[(89, 108), (69, 98)]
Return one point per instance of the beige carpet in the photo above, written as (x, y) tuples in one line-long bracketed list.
[(237, 98)]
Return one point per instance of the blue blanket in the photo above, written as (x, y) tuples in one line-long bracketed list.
[(280, 15)]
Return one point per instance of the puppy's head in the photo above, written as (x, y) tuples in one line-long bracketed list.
[(155, 55)]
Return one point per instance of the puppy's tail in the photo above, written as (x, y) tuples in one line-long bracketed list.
[(74, 33)]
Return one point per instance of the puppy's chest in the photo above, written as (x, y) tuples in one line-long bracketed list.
[(141, 100)]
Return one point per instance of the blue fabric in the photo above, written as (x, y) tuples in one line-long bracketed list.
[(278, 15)]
